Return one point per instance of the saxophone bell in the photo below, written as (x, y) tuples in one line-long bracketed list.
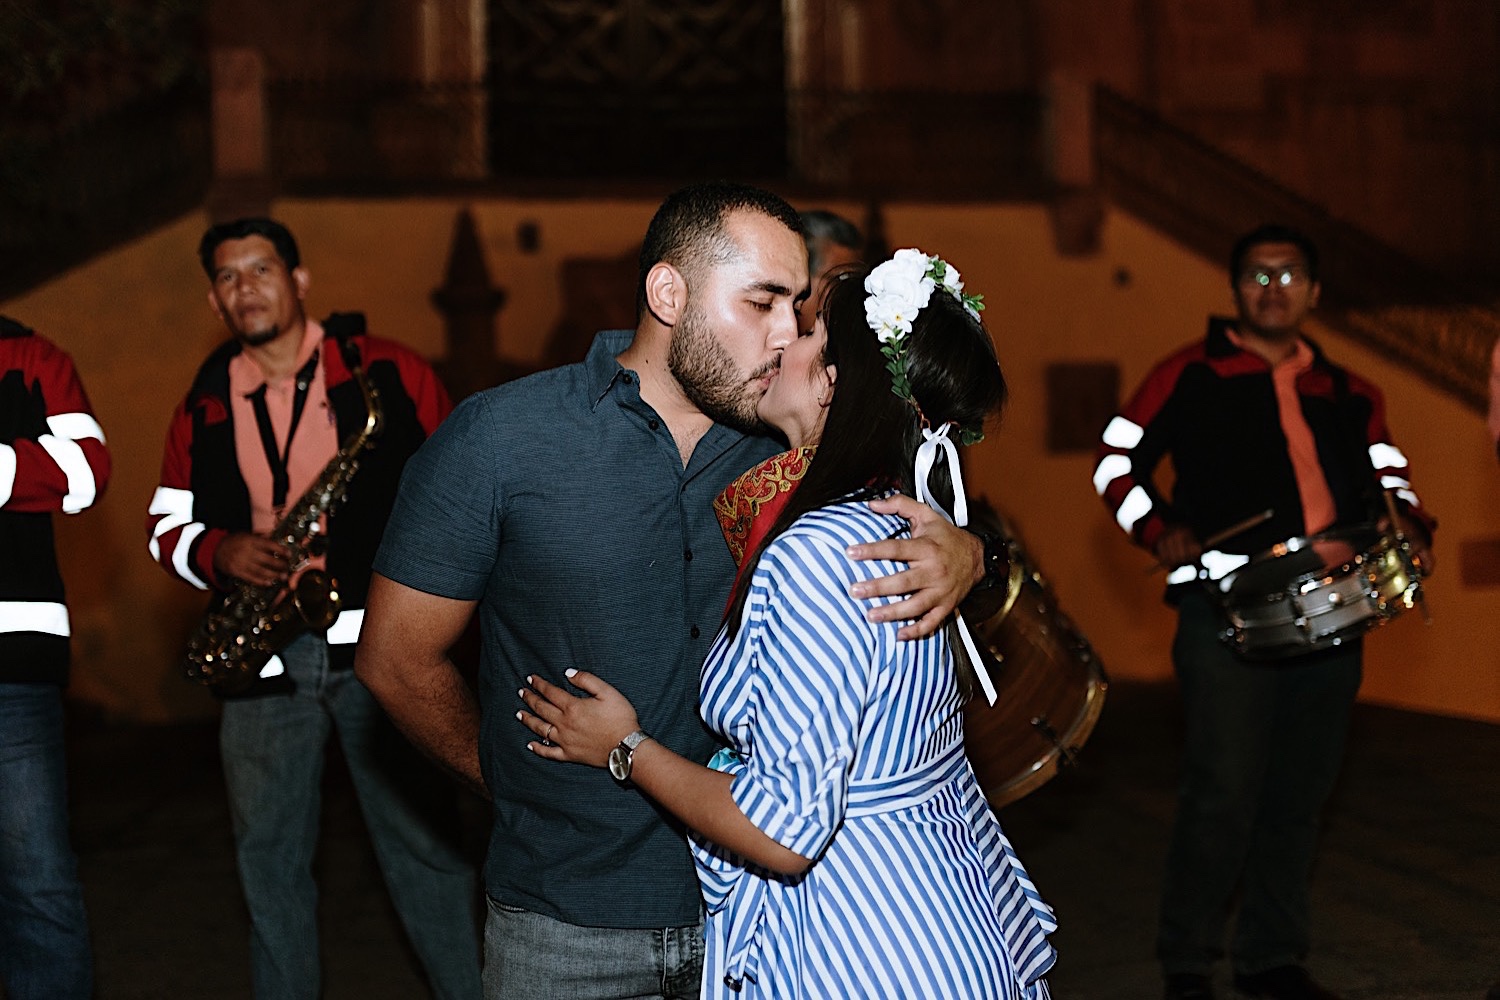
[(315, 599), (230, 655)]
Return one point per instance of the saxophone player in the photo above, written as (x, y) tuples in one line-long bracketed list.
[(268, 414)]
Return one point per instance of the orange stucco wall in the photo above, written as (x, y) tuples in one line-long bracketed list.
[(137, 324)]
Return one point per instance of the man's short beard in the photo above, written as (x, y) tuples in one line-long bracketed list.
[(257, 338), (708, 376), (1278, 334)]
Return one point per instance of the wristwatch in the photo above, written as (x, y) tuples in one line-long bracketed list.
[(996, 560), (988, 597), (622, 756)]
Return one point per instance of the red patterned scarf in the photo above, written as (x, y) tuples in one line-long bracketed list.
[(749, 506)]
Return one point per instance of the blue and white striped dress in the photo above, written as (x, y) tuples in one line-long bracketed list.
[(847, 747)]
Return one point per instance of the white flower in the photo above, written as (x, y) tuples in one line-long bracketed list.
[(951, 280), (901, 287), (911, 263), (889, 319), (904, 271), (897, 290)]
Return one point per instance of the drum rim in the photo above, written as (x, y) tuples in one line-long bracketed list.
[(1046, 767), (1376, 551), (1374, 539)]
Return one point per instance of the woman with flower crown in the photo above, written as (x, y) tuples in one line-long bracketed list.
[(843, 843)]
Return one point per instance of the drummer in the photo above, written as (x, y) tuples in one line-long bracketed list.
[(1269, 440)]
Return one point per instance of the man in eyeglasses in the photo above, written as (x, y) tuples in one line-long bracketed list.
[(1269, 441)]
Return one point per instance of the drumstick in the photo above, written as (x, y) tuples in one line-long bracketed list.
[(1390, 507), (1237, 527), (1226, 534)]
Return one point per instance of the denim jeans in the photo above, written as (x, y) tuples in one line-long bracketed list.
[(528, 956), (273, 750), (1264, 744), (44, 938)]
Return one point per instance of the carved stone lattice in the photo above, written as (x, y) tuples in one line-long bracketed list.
[(651, 88)]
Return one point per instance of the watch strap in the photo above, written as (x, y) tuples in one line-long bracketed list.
[(996, 559), (989, 596)]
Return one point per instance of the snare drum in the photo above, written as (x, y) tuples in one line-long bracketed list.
[(1314, 592)]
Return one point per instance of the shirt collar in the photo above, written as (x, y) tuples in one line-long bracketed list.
[(1299, 360), (600, 366), (602, 372)]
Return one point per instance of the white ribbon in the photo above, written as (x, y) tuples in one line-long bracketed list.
[(932, 443), (927, 454), (979, 671)]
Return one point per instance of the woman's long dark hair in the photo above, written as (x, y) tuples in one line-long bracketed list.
[(871, 435)]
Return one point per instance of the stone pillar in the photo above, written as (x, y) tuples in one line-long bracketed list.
[(469, 302), (1077, 207), (241, 143)]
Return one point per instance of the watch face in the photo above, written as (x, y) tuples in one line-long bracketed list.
[(619, 763)]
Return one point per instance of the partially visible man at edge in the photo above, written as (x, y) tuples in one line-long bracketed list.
[(1254, 417), (1494, 424), (574, 510), (52, 458), (266, 413)]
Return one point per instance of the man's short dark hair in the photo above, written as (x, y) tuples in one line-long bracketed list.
[(687, 231), (819, 227), (279, 235), (1273, 233)]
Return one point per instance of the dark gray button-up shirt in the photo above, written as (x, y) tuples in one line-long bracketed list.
[(561, 504)]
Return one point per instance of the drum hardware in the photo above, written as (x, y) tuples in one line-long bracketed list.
[(1051, 686), (1394, 516), (1316, 592), (1067, 756)]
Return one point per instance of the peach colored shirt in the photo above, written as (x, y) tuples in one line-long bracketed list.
[(1318, 510), (313, 446)]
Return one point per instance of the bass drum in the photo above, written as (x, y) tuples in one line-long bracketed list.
[(1050, 686)]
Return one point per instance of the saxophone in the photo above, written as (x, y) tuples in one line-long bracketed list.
[(246, 626)]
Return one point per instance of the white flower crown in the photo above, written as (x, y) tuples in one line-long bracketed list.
[(896, 291)]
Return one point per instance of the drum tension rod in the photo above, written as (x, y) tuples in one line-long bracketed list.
[(1069, 755)]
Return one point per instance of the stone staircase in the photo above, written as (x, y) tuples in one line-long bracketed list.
[(1437, 328)]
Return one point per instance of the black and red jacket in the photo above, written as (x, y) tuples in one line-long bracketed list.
[(52, 458), (1212, 408), (203, 497)]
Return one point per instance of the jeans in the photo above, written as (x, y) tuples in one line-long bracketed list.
[(528, 956), (1265, 741), (44, 938), (273, 750)]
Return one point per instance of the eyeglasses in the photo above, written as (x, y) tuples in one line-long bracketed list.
[(1265, 277)]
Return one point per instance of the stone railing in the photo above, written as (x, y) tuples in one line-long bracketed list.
[(905, 144), (399, 135)]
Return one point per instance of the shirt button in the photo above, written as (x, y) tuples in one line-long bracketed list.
[(652, 424), (625, 377), (693, 631), (688, 555)]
